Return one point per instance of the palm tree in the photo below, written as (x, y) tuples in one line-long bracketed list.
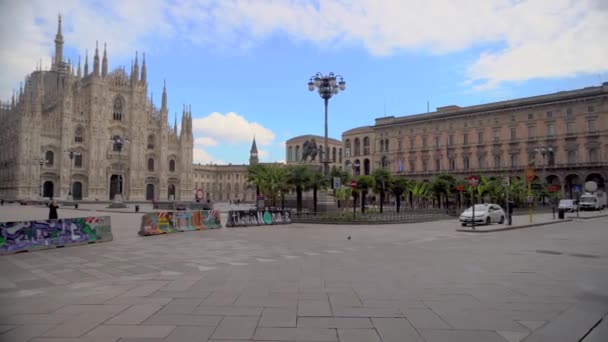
[(298, 177), (364, 183), (382, 180), (442, 186), (270, 180), (317, 181), (421, 190), (398, 186)]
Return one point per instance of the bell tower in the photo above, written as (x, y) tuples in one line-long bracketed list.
[(253, 153)]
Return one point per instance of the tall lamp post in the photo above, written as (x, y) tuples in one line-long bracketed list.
[(71, 155), (546, 152), (327, 86), (119, 142)]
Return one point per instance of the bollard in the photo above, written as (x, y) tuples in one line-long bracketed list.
[(137, 208), (76, 206)]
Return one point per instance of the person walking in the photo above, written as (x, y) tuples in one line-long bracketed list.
[(53, 209)]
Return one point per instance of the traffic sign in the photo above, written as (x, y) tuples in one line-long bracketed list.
[(337, 183), (577, 188), (199, 194), (530, 199), (473, 181), (535, 186), (459, 187), (353, 183), (552, 188), (506, 181), (529, 174)]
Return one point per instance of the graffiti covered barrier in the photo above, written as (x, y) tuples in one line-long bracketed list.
[(43, 234), (245, 218), (164, 222)]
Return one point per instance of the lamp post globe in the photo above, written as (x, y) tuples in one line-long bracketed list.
[(327, 86)]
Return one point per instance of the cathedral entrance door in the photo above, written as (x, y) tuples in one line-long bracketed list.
[(171, 192), (47, 189), (150, 192), (77, 191), (115, 186)]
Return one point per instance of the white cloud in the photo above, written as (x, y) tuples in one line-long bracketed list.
[(205, 141), (203, 157), (232, 128), (263, 154), (538, 38)]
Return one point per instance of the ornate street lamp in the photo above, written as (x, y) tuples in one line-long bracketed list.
[(119, 142), (71, 155), (327, 86)]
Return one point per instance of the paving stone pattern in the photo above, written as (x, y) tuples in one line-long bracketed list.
[(415, 282)]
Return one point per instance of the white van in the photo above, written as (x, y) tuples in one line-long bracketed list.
[(568, 205), (589, 201)]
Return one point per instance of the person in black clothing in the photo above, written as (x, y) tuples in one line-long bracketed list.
[(53, 209)]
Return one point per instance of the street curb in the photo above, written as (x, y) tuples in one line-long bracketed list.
[(512, 228), (587, 218)]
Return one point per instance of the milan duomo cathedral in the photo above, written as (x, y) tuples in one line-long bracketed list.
[(90, 134)]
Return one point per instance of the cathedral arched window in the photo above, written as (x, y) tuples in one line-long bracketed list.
[(78, 160), (79, 135), (118, 109), (150, 164), (150, 142), (172, 165), (357, 147), (49, 156)]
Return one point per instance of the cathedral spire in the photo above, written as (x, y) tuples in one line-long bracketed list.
[(135, 73), (96, 60), (163, 106), (86, 63), (175, 125), (143, 70), (78, 73), (104, 62), (58, 46)]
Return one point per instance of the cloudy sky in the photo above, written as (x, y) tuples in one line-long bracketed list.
[(243, 65)]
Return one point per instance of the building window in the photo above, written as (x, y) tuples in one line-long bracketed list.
[(569, 112), (78, 160), (465, 138), (424, 142), (400, 144), (412, 143), (590, 109), (228, 187), (571, 156), (531, 116), (497, 161), (150, 164), (481, 162), (118, 109), (290, 153), (366, 146), (591, 126), (357, 147), (513, 133), (551, 129), (549, 115), (49, 156), (236, 187), (531, 132), (150, 142), (78, 136), (465, 163), (451, 140), (340, 156), (381, 145), (479, 137), (412, 166), (452, 164), (437, 165), (171, 165), (514, 160), (436, 141), (333, 154), (298, 153), (386, 145), (425, 165), (570, 128), (346, 148), (593, 155), (496, 134)]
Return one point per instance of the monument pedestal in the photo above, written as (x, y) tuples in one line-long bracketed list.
[(117, 203)]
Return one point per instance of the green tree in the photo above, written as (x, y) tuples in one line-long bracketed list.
[(364, 184), (421, 191), (398, 186), (270, 180), (317, 182), (298, 177), (382, 181), (441, 187)]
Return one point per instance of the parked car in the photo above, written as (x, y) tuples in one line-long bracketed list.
[(568, 205), (589, 201), (484, 214)]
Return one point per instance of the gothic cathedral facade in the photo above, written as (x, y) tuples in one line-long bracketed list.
[(59, 136)]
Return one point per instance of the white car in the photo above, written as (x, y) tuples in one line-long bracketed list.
[(484, 214)]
